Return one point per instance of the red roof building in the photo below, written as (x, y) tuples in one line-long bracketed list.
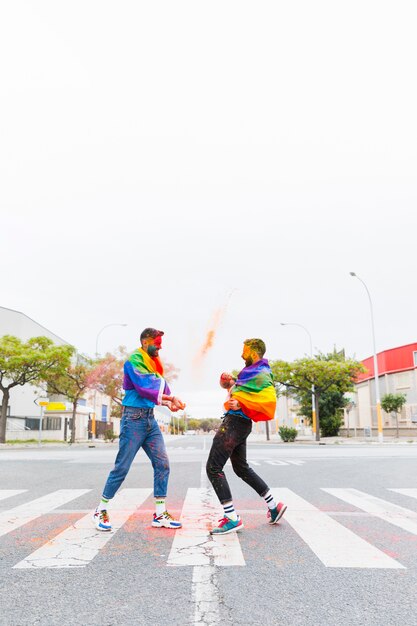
[(397, 374)]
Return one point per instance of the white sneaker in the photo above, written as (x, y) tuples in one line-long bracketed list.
[(101, 520), (165, 521)]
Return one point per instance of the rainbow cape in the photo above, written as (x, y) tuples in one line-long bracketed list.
[(255, 391), (145, 374)]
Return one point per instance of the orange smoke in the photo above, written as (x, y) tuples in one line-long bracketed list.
[(208, 343)]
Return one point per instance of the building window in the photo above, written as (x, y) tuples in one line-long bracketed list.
[(82, 402), (415, 358), (104, 411), (403, 380)]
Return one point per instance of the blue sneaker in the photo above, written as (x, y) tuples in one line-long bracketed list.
[(226, 526), (101, 520), (165, 521), (275, 515)]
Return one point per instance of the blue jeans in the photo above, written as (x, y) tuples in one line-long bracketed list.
[(139, 429)]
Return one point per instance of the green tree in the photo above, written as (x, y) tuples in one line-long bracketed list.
[(73, 383), (393, 403), (30, 362), (327, 375), (331, 402)]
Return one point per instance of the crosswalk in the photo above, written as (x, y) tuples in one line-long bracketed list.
[(332, 542)]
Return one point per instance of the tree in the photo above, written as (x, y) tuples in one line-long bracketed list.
[(73, 383), (393, 403), (331, 401), (29, 362), (325, 374)]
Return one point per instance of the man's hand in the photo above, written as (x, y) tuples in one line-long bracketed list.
[(232, 405), (176, 402)]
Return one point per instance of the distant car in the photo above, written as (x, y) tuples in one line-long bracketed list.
[(191, 432)]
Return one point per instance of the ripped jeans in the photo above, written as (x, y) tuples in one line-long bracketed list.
[(230, 442), (139, 429)]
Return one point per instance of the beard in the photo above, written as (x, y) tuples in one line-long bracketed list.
[(152, 351), (248, 361)]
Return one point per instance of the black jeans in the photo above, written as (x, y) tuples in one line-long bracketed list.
[(230, 443)]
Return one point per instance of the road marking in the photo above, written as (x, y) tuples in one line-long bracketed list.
[(205, 595), (193, 544), (296, 462), (253, 462), (412, 493), (276, 462), (334, 544), (25, 513), (8, 493), (392, 513), (79, 544)]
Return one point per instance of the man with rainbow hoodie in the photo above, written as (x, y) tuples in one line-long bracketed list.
[(145, 387), (251, 398)]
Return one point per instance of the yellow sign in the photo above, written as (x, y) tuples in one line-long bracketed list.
[(55, 406), (43, 402)]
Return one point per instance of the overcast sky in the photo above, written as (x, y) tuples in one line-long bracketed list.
[(163, 160)]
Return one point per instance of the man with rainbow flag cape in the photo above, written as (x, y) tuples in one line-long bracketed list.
[(251, 397), (145, 387)]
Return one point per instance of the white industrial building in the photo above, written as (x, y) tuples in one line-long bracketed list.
[(24, 413)]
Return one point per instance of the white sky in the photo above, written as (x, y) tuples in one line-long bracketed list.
[(156, 156)]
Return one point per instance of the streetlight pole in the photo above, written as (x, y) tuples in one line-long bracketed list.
[(313, 402), (376, 372), (93, 424)]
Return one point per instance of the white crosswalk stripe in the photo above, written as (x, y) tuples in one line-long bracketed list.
[(392, 513), (79, 544), (276, 462), (334, 544), (412, 493), (8, 493), (14, 518), (193, 544)]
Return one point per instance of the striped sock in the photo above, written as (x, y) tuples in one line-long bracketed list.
[(103, 504), (269, 499), (229, 511), (159, 506)]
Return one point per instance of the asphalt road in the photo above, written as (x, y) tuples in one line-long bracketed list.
[(347, 555)]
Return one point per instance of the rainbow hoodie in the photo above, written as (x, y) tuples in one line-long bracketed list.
[(143, 380), (255, 390)]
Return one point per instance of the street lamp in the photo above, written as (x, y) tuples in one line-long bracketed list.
[(93, 424), (313, 403), (376, 372), (100, 331)]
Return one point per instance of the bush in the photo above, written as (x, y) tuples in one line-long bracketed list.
[(287, 434), (109, 435), (330, 425)]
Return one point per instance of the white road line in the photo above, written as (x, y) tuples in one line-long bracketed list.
[(205, 595), (392, 513), (276, 462), (296, 462), (412, 493), (25, 513), (79, 544), (8, 493), (334, 544), (193, 544), (253, 462)]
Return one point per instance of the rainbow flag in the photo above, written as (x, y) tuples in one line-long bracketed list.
[(145, 374), (255, 391)]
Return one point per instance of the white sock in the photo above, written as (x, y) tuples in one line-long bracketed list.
[(229, 511), (103, 504), (159, 506), (269, 499)]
